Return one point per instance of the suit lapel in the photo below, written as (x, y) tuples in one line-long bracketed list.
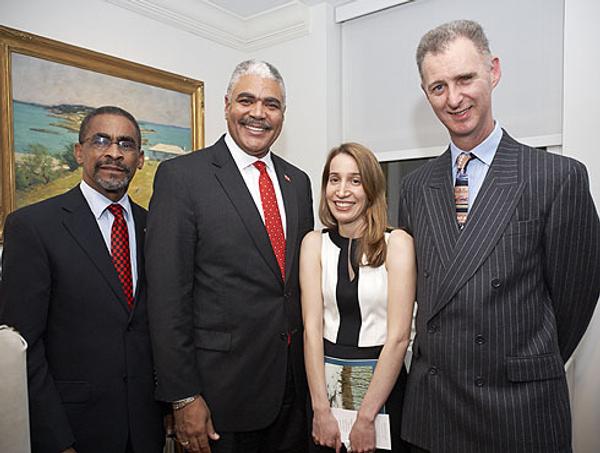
[(140, 232), (81, 224), (233, 184), (439, 202), (291, 213), (489, 216)]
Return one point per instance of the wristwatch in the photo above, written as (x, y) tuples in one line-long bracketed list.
[(180, 404)]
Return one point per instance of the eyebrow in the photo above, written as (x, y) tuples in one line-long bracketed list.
[(119, 138), (465, 75), (245, 94)]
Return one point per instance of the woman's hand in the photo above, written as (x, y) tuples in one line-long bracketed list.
[(362, 435), (325, 430)]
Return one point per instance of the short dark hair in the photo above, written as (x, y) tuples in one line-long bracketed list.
[(108, 110)]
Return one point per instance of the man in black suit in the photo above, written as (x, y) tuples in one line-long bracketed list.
[(73, 285), (222, 264), (508, 248)]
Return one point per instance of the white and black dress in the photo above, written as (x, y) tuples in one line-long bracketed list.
[(354, 329)]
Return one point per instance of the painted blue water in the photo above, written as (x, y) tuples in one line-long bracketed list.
[(32, 125)]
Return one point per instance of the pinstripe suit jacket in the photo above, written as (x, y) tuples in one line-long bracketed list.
[(502, 304)]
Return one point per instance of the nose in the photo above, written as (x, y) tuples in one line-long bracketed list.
[(454, 96), (258, 110), (114, 151), (342, 189)]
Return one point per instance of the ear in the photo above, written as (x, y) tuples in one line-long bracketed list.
[(227, 104), (78, 153), (141, 160), (495, 72)]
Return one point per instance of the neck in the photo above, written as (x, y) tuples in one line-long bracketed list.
[(467, 143), (352, 230)]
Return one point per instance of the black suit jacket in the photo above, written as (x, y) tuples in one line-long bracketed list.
[(502, 304), (89, 359), (219, 310)]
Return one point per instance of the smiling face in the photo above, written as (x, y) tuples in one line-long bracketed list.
[(254, 113), (345, 195), (109, 170), (458, 83)]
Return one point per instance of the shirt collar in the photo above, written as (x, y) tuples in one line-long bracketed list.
[(485, 151), (241, 158), (98, 202)]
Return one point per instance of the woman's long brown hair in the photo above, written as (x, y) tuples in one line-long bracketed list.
[(372, 245)]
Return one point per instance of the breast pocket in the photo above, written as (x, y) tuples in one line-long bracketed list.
[(523, 236)]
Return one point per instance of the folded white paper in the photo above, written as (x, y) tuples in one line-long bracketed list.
[(345, 419)]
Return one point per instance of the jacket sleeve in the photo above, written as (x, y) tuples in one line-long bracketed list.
[(25, 300), (170, 251), (572, 257)]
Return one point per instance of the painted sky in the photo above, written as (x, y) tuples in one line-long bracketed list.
[(44, 82)]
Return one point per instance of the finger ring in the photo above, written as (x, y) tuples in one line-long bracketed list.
[(185, 443)]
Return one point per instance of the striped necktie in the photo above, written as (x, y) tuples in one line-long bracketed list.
[(461, 188)]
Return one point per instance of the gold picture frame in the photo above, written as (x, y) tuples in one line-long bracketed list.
[(20, 46)]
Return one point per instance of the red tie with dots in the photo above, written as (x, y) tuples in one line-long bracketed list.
[(272, 215), (119, 249)]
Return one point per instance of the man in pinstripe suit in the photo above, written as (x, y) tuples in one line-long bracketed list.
[(504, 299)]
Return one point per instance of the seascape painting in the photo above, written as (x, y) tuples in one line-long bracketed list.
[(50, 99)]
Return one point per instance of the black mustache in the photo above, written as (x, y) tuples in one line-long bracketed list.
[(255, 123), (113, 162)]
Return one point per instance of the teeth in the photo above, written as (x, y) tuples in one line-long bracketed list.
[(461, 112), (255, 129)]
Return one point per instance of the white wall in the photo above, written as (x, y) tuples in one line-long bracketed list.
[(581, 125)]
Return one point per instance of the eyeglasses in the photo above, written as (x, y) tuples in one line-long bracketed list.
[(102, 143)]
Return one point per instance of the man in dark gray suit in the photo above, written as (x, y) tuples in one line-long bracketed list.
[(224, 230), (508, 250)]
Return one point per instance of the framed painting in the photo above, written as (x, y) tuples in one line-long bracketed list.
[(46, 89)]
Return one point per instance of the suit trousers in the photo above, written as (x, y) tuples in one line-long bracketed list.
[(286, 434)]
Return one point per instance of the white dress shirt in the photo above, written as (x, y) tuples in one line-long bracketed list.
[(98, 203), (245, 164)]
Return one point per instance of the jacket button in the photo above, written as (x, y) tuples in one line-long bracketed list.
[(288, 294), (426, 274), (496, 283), (125, 379), (283, 336), (479, 381), (433, 371), (479, 339), (432, 328)]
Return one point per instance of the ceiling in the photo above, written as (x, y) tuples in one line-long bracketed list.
[(241, 24), (247, 8)]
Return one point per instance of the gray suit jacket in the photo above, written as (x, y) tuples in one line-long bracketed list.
[(219, 310), (502, 304)]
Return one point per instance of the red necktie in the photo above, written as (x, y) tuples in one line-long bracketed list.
[(119, 249), (272, 215)]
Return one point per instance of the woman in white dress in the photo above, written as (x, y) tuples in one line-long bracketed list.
[(358, 282)]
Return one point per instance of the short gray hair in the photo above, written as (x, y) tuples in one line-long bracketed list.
[(259, 68), (438, 39)]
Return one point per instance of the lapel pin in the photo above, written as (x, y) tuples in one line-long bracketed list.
[(287, 178)]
